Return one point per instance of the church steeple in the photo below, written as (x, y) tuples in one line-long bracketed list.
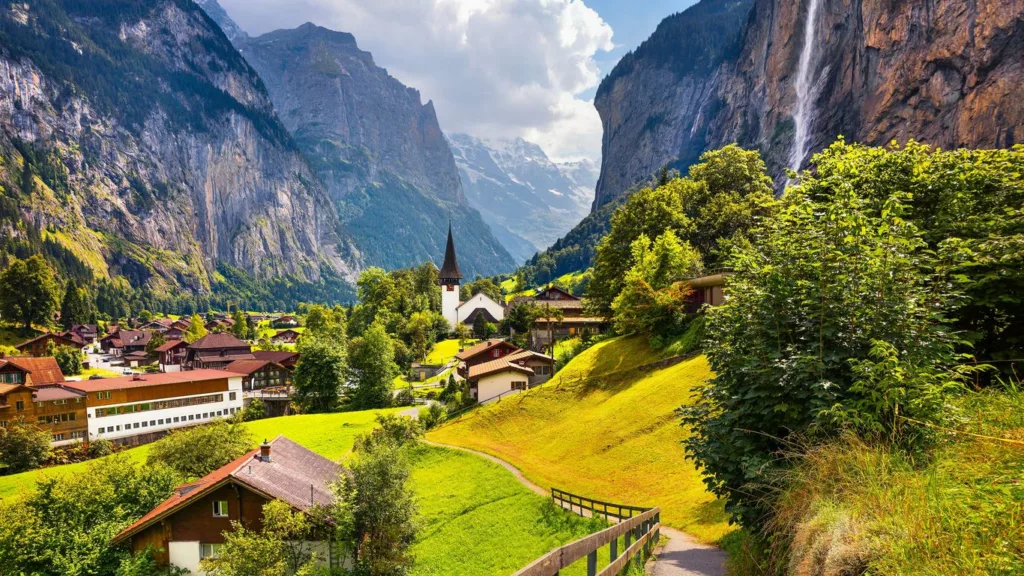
[(450, 273)]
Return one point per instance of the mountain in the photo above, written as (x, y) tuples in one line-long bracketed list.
[(136, 143), (520, 192), (946, 72), (378, 149), (220, 16)]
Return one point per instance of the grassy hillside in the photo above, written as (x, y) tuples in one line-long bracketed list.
[(603, 430)]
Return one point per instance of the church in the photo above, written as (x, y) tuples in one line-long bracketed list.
[(453, 309)]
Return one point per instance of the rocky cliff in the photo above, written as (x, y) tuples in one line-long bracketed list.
[(946, 72), (376, 146), (528, 200), (136, 140)]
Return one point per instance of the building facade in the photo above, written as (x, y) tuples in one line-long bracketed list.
[(449, 278)]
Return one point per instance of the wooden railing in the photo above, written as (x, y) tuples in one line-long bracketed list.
[(608, 510), (639, 534)]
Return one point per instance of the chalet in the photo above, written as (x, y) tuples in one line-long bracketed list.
[(260, 374), (138, 359), (562, 316), (514, 372), (160, 325), (171, 355), (124, 342), (142, 407), (285, 322), (286, 337), (286, 358), (38, 346), (190, 525), (216, 351), (33, 390), (87, 332), (485, 351)]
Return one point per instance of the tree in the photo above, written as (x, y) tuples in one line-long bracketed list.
[(240, 327), (519, 321), (145, 316), (256, 410), (74, 307), (280, 548), (156, 340), (28, 292), (373, 368), (483, 329), (419, 334), (487, 286), (320, 374), (463, 333), (826, 281), (23, 446), (196, 329), (68, 358), (195, 452), (322, 322)]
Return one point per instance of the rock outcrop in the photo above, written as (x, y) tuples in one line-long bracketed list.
[(139, 140)]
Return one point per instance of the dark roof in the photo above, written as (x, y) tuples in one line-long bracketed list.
[(133, 337), (450, 268), (480, 348), (480, 311), (565, 293), (495, 367), (247, 367), (41, 370), (218, 341), (523, 355), (294, 475), (215, 357), (170, 345), (42, 336), (279, 356)]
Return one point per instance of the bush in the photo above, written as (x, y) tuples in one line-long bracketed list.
[(100, 447), (23, 447), (405, 397), (432, 416), (256, 410), (195, 452)]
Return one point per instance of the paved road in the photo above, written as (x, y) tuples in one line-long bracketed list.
[(682, 555)]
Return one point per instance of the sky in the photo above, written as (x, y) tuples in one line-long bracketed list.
[(493, 68)]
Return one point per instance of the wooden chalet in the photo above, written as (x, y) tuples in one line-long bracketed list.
[(483, 352), (510, 373), (124, 342), (286, 358), (288, 336), (216, 351), (190, 525), (563, 316), (285, 322), (33, 390), (171, 355), (260, 374), (38, 346), (87, 332)]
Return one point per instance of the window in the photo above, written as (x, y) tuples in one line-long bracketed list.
[(519, 386), (177, 419), (160, 421), (41, 404), (60, 402), (136, 425), (191, 417), (19, 405), (209, 550), (58, 437), (231, 396), (220, 508), (144, 423), (103, 395), (101, 430), (152, 422), (78, 435)]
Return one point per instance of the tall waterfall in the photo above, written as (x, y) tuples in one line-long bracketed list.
[(804, 89)]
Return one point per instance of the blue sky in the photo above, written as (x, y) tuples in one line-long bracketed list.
[(492, 68)]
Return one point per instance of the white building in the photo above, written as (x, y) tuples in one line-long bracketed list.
[(122, 408), (479, 304), (449, 279)]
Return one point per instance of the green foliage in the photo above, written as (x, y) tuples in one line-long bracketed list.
[(155, 341), (76, 307), (28, 292), (485, 285), (256, 410), (64, 528), (195, 452), (829, 279), (320, 374), (68, 358), (374, 368), (519, 320), (432, 415), (196, 329), (23, 446), (483, 329), (144, 564), (280, 548), (322, 322), (391, 428)]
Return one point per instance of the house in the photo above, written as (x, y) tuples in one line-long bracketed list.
[(171, 355), (563, 316), (38, 346), (124, 342), (485, 351), (216, 351), (286, 337), (139, 408), (260, 374), (286, 358), (190, 525), (87, 332), (285, 322), (33, 390), (138, 359), (479, 305), (707, 289), (160, 325), (510, 374)]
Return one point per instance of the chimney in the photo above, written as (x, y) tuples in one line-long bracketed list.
[(265, 451)]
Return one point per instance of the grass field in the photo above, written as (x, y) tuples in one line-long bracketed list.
[(443, 352), (85, 374), (614, 438)]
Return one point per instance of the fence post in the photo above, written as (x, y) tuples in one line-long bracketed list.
[(592, 563), (614, 550)]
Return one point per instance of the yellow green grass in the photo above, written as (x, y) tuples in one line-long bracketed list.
[(606, 431), (443, 352), (85, 374)]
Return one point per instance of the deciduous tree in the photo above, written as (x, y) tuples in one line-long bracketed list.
[(373, 368), (28, 292)]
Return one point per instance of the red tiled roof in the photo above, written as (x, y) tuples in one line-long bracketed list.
[(41, 370), (496, 366), (41, 336), (55, 392), (143, 380), (218, 341), (215, 357), (481, 347), (170, 345), (294, 475)]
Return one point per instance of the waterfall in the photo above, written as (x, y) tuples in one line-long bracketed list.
[(804, 90)]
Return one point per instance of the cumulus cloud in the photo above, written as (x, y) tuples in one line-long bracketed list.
[(494, 68)]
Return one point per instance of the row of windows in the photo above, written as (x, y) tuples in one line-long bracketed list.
[(167, 421), (61, 402), (74, 436), (57, 418), (12, 378), (162, 405)]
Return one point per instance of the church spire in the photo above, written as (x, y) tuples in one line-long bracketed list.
[(450, 269)]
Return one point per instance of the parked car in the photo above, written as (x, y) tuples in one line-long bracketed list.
[(127, 371)]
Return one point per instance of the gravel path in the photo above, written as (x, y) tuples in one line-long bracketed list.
[(682, 555)]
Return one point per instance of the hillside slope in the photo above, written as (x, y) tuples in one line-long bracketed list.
[(603, 429)]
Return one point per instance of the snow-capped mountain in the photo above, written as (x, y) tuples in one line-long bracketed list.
[(527, 200)]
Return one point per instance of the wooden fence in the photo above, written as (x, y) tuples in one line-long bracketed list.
[(580, 504), (639, 533)]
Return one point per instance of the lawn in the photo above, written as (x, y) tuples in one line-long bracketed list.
[(103, 372), (12, 335), (612, 437), (443, 352)]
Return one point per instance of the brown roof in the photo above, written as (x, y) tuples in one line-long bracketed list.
[(170, 345), (44, 335), (279, 356), (294, 475), (247, 367), (479, 348), (526, 355), (562, 291), (41, 370), (218, 341), (496, 366), (7, 388), (55, 392), (575, 320), (132, 338), (144, 380), (478, 312), (215, 357), (450, 267), (561, 304)]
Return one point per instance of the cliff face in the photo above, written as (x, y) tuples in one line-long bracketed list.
[(378, 149), (137, 138), (945, 72)]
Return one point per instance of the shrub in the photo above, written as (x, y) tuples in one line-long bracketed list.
[(432, 415), (23, 447), (195, 452), (405, 397), (256, 410)]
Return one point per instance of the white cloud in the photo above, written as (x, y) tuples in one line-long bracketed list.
[(494, 68)]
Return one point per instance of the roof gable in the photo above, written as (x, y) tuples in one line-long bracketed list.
[(482, 347), (40, 370), (218, 341)]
